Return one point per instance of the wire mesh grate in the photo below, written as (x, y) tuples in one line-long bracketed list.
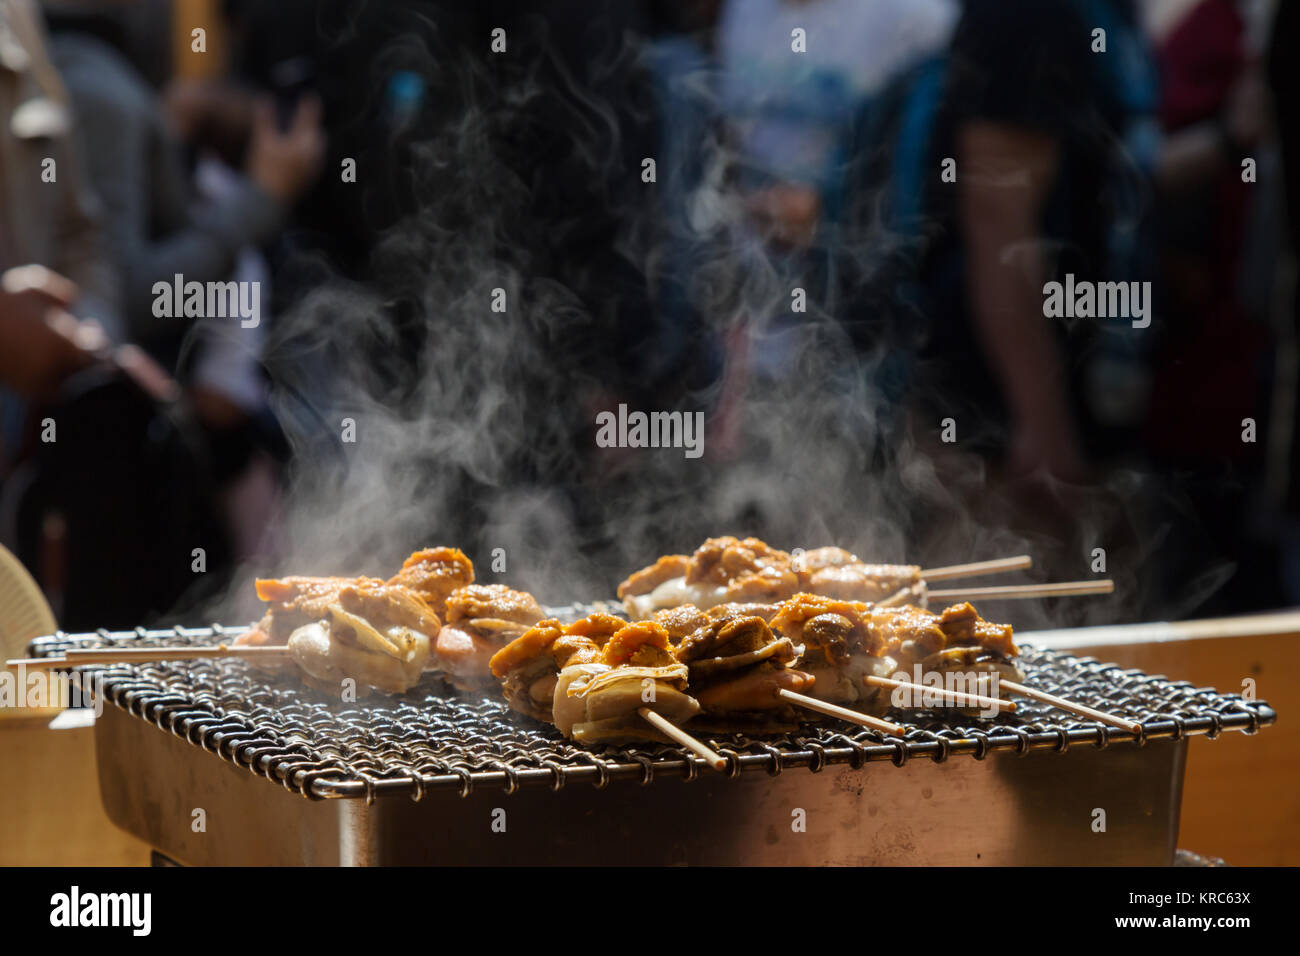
[(433, 738)]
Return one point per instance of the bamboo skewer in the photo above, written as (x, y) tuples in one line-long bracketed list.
[(1024, 591), (843, 713), (956, 698), (671, 730), (1005, 592), (974, 568), (135, 655), (1082, 710), (75, 657), (37, 663), (900, 596)]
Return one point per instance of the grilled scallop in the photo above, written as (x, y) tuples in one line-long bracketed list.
[(324, 653), (599, 671), (609, 712)]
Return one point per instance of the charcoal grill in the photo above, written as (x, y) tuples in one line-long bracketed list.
[(437, 777)]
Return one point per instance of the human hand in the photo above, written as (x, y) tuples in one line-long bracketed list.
[(286, 162), (40, 342)]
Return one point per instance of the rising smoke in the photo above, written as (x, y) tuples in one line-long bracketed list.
[(477, 428)]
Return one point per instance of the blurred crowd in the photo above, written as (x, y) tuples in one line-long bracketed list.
[(826, 225)]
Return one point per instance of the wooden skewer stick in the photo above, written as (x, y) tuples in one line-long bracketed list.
[(37, 663), (1132, 726), (669, 729), (1025, 591), (956, 698), (136, 655), (75, 657), (843, 713), (996, 566), (902, 595)]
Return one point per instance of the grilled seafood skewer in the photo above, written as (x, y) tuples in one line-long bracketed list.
[(593, 678), (387, 634), (842, 641), (379, 634), (737, 666), (850, 646), (978, 653), (846, 646), (727, 570), (480, 620)]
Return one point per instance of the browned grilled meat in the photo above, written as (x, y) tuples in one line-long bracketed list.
[(737, 666), (481, 619), (647, 579), (434, 573), (295, 601), (860, 582), (969, 645), (379, 634), (843, 642), (735, 570)]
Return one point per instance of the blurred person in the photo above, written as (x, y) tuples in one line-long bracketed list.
[(41, 343), (1214, 114), (100, 492), (770, 110), (1015, 157), (1214, 361), (791, 114), (48, 216), (103, 494), (794, 124), (1037, 125), (1074, 162), (204, 224), (136, 165)]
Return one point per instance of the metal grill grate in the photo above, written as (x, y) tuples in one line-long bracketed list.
[(433, 739)]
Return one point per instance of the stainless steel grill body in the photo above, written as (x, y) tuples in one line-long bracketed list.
[(432, 777), (1036, 809)]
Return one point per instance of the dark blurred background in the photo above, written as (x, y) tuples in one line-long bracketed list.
[(462, 255)]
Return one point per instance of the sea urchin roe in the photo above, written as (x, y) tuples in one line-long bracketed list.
[(644, 644), (386, 603), (667, 568), (493, 602), (961, 624), (599, 627), (530, 645), (728, 569), (722, 560), (434, 573), (731, 642), (680, 621), (298, 600), (864, 634)]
